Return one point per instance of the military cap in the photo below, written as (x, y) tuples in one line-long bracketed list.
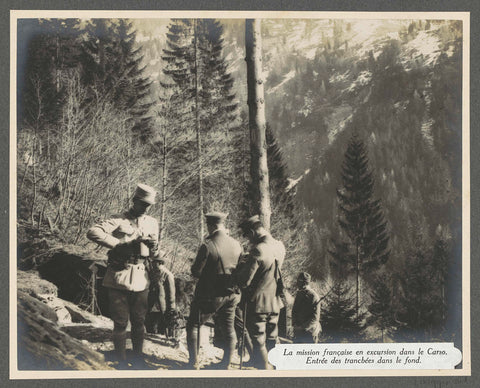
[(216, 217), (304, 277), (157, 259), (251, 223), (145, 193)]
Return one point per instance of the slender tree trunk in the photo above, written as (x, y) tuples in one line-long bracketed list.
[(32, 208), (93, 291), (199, 139), (442, 291), (163, 202), (358, 279), (257, 122), (57, 56), (129, 175), (101, 57)]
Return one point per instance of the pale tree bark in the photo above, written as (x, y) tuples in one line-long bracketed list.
[(163, 202), (257, 122), (199, 139)]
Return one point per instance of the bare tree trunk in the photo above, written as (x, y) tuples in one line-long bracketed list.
[(163, 202), (34, 182), (357, 275), (199, 139), (56, 61), (129, 175), (257, 122)]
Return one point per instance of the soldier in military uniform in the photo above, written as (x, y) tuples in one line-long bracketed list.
[(306, 311), (161, 299), (215, 295), (260, 277), (132, 237)]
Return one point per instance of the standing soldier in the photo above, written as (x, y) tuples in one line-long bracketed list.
[(161, 299), (132, 237), (261, 278), (306, 311), (215, 295)]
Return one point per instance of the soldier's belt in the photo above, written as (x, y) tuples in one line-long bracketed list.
[(136, 260)]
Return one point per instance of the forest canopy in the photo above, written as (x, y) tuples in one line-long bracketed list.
[(363, 146)]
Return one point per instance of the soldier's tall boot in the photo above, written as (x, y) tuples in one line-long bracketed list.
[(228, 351), (119, 342), (137, 346), (263, 362), (192, 341), (270, 344)]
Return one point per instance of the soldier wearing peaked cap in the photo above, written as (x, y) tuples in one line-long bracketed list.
[(215, 295), (306, 311), (132, 237), (260, 277), (161, 299)]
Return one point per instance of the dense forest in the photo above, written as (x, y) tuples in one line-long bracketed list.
[(364, 142)]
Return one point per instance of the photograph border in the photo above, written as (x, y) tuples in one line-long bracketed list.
[(466, 340)]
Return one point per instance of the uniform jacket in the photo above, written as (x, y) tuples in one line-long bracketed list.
[(122, 228), (162, 294), (306, 310), (260, 275), (216, 259)]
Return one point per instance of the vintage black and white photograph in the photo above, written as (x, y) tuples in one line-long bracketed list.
[(192, 191)]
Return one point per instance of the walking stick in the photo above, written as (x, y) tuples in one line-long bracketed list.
[(244, 313), (198, 342)]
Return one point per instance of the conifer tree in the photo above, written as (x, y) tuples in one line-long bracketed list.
[(440, 264), (52, 50), (421, 309), (202, 88), (287, 216), (282, 196), (112, 67), (381, 307), (185, 61), (361, 220), (340, 320)]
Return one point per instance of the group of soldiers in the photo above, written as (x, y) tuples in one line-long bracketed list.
[(242, 293)]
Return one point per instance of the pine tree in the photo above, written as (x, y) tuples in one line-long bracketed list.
[(421, 309), (381, 307), (132, 87), (440, 264), (202, 88), (94, 54), (361, 218), (51, 52), (282, 196), (287, 216), (112, 67), (185, 61), (340, 320), (219, 100)]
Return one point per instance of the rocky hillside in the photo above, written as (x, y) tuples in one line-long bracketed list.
[(45, 326), (55, 334)]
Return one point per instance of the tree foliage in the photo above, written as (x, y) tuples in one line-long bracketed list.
[(111, 65), (381, 309), (340, 321), (420, 303), (201, 90), (363, 245)]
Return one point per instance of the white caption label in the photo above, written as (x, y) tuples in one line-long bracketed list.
[(438, 355)]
